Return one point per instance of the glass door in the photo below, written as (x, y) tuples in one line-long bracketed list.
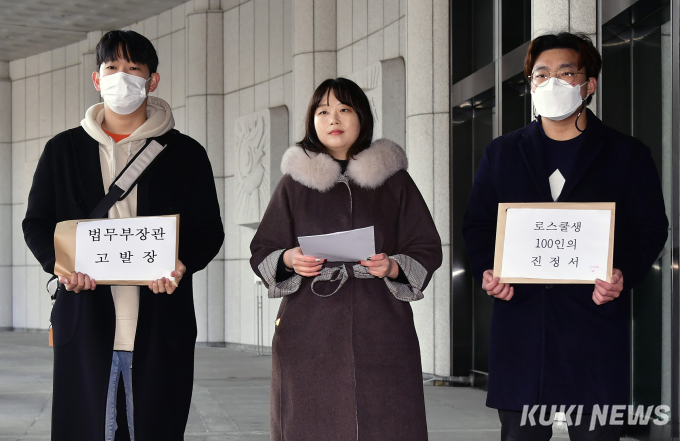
[(636, 100), (472, 128), (489, 97)]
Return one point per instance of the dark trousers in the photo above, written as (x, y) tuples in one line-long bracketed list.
[(511, 430)]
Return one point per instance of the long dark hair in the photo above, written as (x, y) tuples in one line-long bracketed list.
[(350, 94)]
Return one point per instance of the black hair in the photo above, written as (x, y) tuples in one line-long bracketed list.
[(129, 45), (588, 55), (350, 94)]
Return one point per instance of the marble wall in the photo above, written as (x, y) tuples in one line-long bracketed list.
[(221, 61)]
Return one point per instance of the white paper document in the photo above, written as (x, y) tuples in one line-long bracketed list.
[(130, 249), (556, 244), (343, 246)]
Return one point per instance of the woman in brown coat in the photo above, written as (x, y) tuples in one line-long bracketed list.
[(346, 359)]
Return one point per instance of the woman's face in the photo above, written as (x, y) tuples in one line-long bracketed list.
[(337, 126)]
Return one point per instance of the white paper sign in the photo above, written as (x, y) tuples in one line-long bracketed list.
[(134, 249), (343, 246), (556, 244)]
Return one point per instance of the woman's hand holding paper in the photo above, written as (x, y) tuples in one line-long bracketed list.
[(306, 266), (380, 265)]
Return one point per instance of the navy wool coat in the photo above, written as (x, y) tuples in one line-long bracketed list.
[(68, 185), (551, 344)]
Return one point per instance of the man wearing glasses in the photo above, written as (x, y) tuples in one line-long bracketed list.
[(564, 345)]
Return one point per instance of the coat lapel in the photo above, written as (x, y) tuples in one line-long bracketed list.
[(86, 152), (531, 146), (590, 147)]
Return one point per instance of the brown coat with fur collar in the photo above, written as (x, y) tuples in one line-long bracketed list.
[(347, 365)]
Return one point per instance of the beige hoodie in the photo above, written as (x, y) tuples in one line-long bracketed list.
[(113, 158)]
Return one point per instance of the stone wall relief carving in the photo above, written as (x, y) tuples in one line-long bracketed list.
[(384, 83), (260, 140)]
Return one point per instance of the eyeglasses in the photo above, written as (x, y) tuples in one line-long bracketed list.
[(566, 76)]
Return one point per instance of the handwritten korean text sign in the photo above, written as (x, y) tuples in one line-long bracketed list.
[(130, 249), (556, 245)]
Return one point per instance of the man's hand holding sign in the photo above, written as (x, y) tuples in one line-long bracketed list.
[(127, 251), (82, 282), (555, 243), (604, 292)]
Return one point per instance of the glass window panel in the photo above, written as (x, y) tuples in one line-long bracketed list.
[(462, 284), (616, 77), (472, 130), (461, 40), (516, 103), (636, 100), (482, 33), (482, 134), (516, 24), (472, 36)]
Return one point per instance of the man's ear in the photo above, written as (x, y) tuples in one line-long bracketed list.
[(592, 85), (95, 81), (153, 83)]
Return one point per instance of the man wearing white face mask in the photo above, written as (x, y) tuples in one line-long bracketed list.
[(97, 329), (564, 345)]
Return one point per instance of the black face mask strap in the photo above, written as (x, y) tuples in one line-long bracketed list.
[(583, 106)]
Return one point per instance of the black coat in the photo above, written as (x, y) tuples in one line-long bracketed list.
[(67, 185), (553, 344)]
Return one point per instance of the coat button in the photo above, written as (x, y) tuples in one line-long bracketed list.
[(548, 286)]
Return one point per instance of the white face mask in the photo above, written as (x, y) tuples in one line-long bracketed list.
[(123, 93), (557, 101)]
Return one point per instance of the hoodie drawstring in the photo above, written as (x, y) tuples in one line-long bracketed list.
[(112, 161)]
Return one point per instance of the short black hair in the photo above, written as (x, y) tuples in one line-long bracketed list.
[(350, 94), (129, 45), (588, 55)]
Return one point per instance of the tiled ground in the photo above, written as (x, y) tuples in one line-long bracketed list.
[(230, 401)]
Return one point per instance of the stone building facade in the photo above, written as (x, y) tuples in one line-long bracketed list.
[(238, 75)]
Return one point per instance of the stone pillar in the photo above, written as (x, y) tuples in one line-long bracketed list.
[(565, 15), (547, 17), (427, 147), (5, 197), (314, 53), (205, 115), (89, 94), (18, 71)]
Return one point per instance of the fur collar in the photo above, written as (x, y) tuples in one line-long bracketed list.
[(369, 169)]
